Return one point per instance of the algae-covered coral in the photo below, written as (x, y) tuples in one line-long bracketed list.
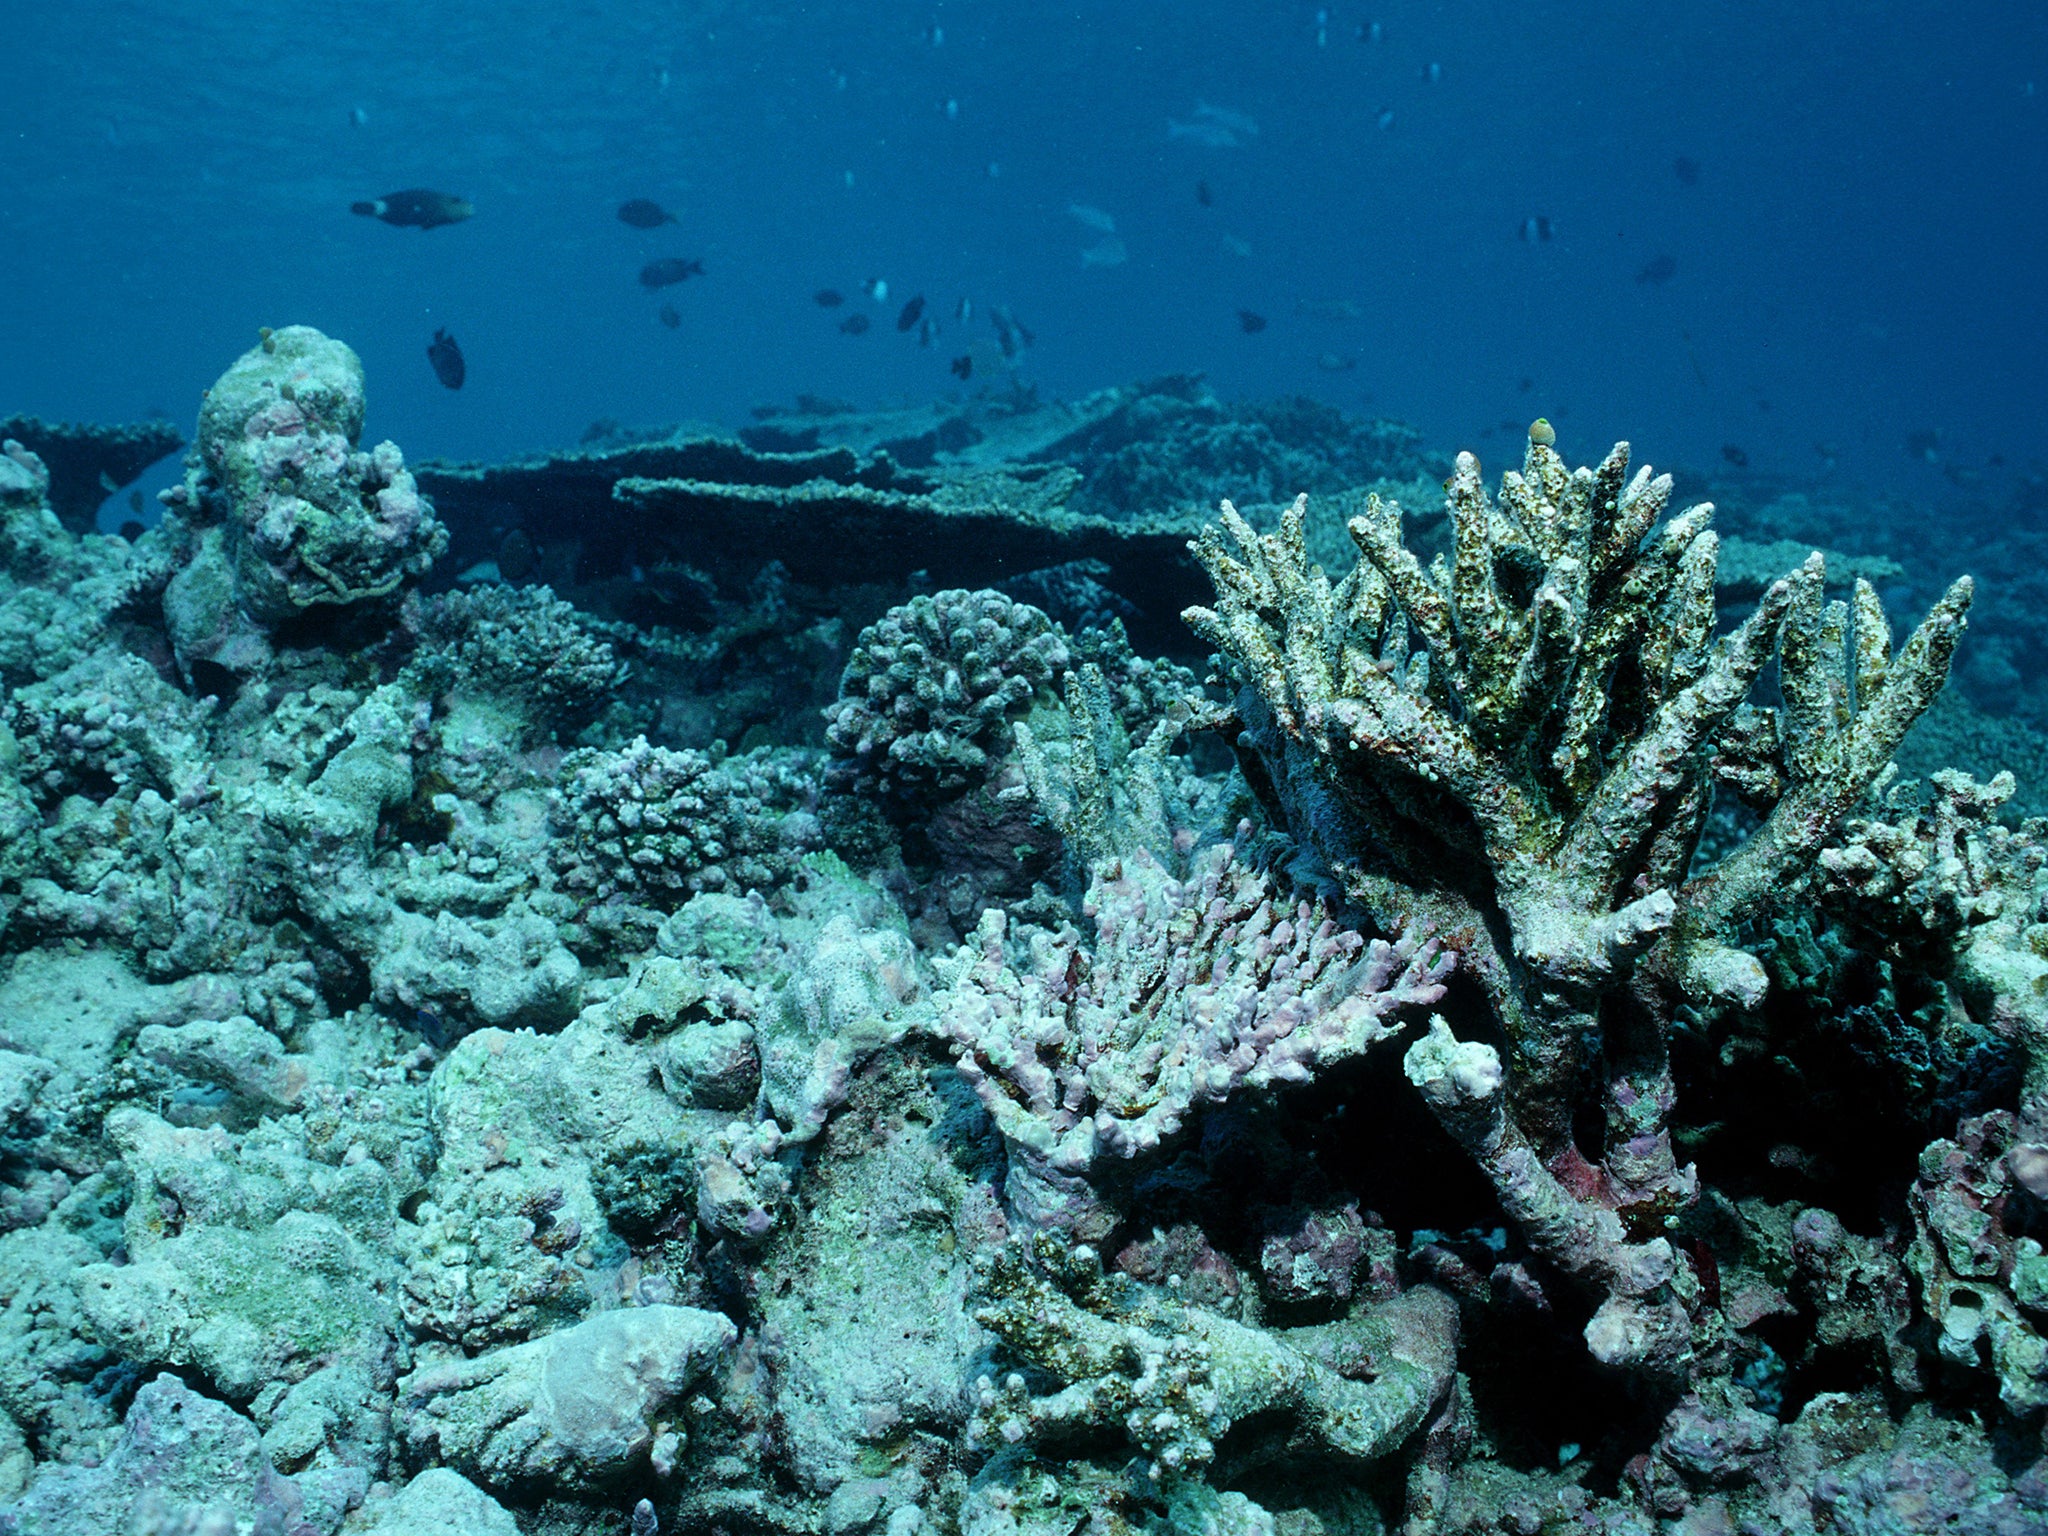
[(744, 1048)]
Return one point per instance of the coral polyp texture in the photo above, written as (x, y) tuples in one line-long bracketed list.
[(742, 1042)]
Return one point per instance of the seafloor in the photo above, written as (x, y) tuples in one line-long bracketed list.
[(900, 972)]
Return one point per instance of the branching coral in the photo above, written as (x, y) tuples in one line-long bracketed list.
[(1192, 990), (928, 695), (1518, 741), (652, 826)]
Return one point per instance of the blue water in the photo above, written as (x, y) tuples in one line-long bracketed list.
[(1859, 258)]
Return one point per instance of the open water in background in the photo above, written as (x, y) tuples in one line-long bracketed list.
[(1860, 258)]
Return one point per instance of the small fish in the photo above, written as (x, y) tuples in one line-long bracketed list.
[(927, 329), (1205, 195), (877, 289), (669, 317), (964, 310), (357, 116), (1924, 443), (670, 269), (1687, 170), (828, 298), (1109, 251), (1090, 217), (1330, 309), (1010, 335), (1331, 362), (962, 366), (1433, 72), (1735, 455), (854, 325), (644, 213), (1385, 119), (416, 208), (1248, 322), (446, 358), (1658, 270), (1372, 32), (907, 317), (951, 108), (1525, 384), (1208, 135), (1535, 230)]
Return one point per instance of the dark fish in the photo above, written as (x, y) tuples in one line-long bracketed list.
[(910, 313), (446, 357), (1535, 229), (1735, 456), (669, 317), (1687, 170), (416, 208), (1250, 323), (1012, 336), (1526, 384), (670, 269), (1924, 443), (1658, 270), (963, 366), (828, 298), (131, 530), (644, 213), (854, 325), (927, 328), (1204, 195)]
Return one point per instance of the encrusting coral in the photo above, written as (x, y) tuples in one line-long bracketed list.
[(1520, 744)]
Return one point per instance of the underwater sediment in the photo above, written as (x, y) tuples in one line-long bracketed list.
[(777, 986)]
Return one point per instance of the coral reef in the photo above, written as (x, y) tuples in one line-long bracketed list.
[(766, 996)]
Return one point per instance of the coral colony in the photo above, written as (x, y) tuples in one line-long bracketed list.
[(824, 1032)]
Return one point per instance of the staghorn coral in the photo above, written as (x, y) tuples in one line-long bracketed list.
[(1517, 741), (928, 696), (1191, 991)]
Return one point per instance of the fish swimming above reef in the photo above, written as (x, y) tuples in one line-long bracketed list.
[(446, 358), (1733, 453), (1109, 251), (1658, 270), (1535, 230), (416, 208), (910, 314), (828, 298), (670, 269), (644, 213), (1012, 336), (855, 324), (669, 317), (1248, 322), (963, 366)]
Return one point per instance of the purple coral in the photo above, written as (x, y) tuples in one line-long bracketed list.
[(1191, 990)]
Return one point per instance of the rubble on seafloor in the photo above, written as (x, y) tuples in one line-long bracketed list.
[(784, 985)]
